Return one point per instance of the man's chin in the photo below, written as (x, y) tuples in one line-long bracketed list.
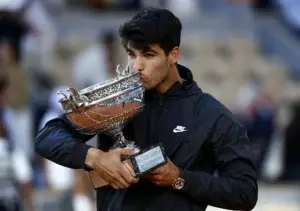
[(147, 87)]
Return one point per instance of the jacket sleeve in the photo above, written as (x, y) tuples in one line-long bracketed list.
[(60, 143), (235, 187)]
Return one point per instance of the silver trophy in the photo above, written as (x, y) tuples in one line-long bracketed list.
[(105, 108)]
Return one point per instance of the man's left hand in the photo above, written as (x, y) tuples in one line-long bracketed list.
[(164, 175)]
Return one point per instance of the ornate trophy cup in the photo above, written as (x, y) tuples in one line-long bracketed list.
[(105, 108)]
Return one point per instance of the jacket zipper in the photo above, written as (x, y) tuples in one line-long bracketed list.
[(160, 100)]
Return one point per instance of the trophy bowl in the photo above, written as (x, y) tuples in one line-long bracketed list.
[(106, 106)]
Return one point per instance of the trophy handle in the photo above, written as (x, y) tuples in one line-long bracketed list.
[(119, 70), (63, 94)]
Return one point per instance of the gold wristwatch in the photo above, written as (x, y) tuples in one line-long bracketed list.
[(178, 183)]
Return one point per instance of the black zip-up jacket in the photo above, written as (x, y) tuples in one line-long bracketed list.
[(213, 141)]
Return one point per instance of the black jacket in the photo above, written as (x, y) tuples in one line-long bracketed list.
[(214, 142)]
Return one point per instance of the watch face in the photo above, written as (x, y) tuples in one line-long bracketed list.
[(178, 184)]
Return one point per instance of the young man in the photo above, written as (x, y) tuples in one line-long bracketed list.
[(199, 135)]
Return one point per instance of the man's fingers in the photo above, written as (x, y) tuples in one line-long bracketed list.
[(125, 151), (122, 181), (118, 174), (114, 186), (110, 180), (133, 179), (115, 180), (127, 175), (119, 182), (128, 165)]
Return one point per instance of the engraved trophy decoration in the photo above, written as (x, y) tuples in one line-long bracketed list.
[(105, 108)]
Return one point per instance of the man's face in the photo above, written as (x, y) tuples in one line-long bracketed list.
[(152, 63)]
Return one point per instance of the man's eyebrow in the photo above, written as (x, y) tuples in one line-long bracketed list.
[(149, 50), (144, 50), (128, 50)]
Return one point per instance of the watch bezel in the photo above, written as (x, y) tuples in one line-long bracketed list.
[(178, 184)]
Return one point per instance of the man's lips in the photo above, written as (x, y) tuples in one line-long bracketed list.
[(142, 76)]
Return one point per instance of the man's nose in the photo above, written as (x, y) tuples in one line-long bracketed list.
[(138, 64)]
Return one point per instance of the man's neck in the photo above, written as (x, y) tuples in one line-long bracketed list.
[(171, 79)]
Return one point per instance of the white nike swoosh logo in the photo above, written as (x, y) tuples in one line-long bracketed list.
[(178, 130)]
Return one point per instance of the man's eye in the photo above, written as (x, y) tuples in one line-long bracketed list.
[(148, 55), (130, 54)]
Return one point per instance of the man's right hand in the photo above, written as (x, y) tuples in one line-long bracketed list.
[(110, 167)]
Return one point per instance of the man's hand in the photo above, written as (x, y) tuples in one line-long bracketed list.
[(110, 167), (164, 175)]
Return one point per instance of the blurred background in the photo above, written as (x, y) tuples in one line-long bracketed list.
[(246, 53)]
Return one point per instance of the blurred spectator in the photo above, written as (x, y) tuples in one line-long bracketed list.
[(260, 132), (82, 200), (256, 110), (291, 148), (43, 36), (62, 184), (18, 114), (12, 31), (15, 169), (9, 193), (26, 23), (14, 27)]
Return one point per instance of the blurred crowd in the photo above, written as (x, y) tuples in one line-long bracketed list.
[(36, 61)]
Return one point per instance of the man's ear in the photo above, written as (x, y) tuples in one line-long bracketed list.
[(174, 55)]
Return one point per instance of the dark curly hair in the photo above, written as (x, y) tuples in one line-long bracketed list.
[(152, 26)]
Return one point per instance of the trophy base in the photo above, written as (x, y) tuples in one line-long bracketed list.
[(142, 163)]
